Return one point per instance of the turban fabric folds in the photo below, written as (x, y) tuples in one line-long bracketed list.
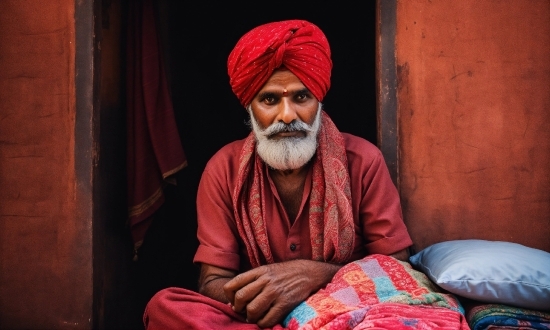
[(298, 45)]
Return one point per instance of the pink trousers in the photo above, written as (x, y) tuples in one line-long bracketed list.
[(177, 308)]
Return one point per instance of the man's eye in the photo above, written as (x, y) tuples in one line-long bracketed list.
[(269, 100), (301, 96)]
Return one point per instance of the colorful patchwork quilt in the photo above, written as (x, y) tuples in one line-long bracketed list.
[(495, 316), (378, 292)]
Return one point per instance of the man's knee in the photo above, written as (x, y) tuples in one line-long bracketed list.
[(160, 305)]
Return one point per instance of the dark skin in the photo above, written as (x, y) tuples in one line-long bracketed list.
[(266, 294)]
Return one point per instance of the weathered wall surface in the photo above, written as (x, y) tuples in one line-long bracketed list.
[(474, 117), (45, 250)]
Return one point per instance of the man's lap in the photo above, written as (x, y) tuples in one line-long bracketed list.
[(178, 308)]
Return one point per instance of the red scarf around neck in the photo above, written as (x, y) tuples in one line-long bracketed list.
[(330, 212)]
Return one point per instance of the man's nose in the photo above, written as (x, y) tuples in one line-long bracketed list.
[(287, 112)]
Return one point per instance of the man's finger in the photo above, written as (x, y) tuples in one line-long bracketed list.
[(259, 307), (239, 281), (246, 294), (273, 316)]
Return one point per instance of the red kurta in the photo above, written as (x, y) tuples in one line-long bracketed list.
[(376, 208), (377, 217)]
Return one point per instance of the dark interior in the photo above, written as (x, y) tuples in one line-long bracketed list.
[(197, 39)]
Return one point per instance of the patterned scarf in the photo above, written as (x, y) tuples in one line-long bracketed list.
[(330, 213)]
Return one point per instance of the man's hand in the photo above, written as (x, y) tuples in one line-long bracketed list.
[(266, 294)]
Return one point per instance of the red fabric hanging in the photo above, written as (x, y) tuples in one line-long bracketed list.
[(154, 150)]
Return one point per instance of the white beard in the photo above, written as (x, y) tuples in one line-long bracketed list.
[(288, 153)]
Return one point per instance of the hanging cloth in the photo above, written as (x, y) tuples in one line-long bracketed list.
[(154, 150)]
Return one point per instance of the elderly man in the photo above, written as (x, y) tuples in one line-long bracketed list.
[(282, 210)]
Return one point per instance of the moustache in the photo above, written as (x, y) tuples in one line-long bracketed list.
[(295, 126)]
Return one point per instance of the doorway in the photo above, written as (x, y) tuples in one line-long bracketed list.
[(197, 40)]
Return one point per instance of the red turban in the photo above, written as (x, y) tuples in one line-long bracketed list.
[(298, 45)]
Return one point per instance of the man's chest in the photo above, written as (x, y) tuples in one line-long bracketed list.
[(291, 198)]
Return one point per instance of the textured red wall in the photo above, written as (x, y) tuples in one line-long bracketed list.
[(474, 116), (45, 254)]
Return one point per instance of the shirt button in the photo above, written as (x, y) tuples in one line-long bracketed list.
[(292, 247)]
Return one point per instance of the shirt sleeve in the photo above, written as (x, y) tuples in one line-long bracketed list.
[(380, 213), (216, 229)]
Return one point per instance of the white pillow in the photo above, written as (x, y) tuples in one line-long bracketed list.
[(489, 271)]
